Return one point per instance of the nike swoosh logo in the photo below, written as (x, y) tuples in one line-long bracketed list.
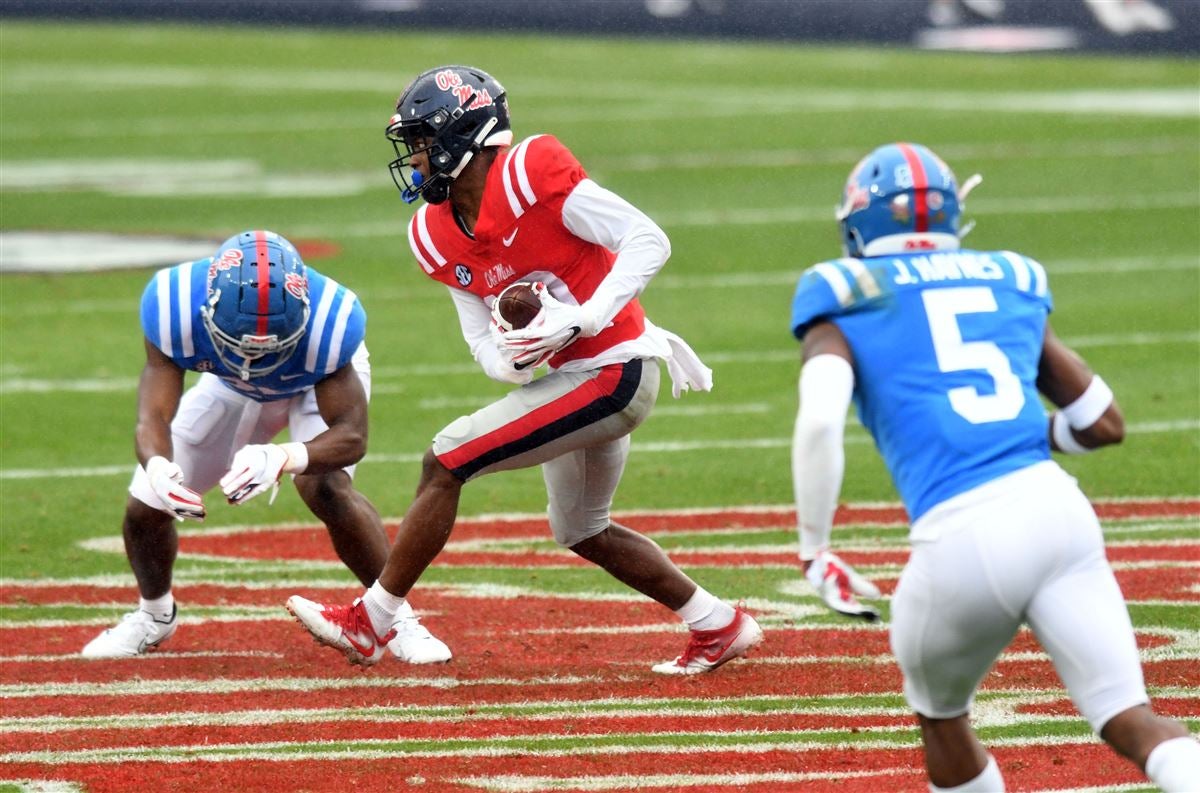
[(509, 239), (291, 376), (367, 649), (714, 655)]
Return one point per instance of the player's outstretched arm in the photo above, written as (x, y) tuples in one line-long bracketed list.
[(818, 464), (256, 468), (1088, 415), (159, 391)]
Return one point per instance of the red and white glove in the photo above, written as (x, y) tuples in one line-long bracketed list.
[(166, 479), (837, 583), (556, 326), (256, 468)]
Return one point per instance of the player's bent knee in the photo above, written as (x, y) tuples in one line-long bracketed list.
[(325, 489), (585, 544), (434, 473)]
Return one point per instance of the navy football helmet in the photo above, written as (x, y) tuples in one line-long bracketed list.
[(257, 307), (901, 198), (450, 113)]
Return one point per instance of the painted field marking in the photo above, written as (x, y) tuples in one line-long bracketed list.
[(43, 786), (622, 782), (124, 688), (697, 99), (650, 447), (749, 279), (994, 707), (1025, 205), (524, 746), (998, 706), (812, 213)]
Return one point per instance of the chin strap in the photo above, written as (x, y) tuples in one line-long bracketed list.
[(414, 190)]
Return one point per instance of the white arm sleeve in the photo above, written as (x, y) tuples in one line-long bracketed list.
[(475, 318), (818, 456), (601, 216)]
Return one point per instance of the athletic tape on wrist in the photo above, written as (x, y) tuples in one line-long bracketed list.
[(1090, 406), (1060, 430), (155, 464), (297, 460)]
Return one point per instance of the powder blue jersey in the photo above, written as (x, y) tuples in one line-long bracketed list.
[(946, 347), (171, 321)]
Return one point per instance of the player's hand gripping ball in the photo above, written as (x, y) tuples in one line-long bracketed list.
[(516, 306)]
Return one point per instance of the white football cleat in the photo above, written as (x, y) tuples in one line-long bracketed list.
[(837, 583), (345, 628), (706, 650), (137, 632), (413, 642)]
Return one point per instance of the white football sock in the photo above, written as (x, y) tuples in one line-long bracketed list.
[(988, 781), (162, 609), (1174, 765), (703, 612), (381, 608)]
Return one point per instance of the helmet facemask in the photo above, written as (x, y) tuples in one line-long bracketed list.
[(259, 355), (258, 308), (446, 115), (446, 145)]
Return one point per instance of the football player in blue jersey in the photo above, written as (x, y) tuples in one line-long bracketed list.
[(943, 352), (278, 345)]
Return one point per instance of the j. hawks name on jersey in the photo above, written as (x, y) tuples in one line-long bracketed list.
[(520, 235), (171, 321)]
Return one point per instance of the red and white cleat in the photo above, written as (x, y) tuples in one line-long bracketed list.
[(706, 650), (345, 628)]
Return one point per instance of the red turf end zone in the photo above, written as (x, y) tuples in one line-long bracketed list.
[(516, 652)]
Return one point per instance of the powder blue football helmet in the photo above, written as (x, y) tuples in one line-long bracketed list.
[(902, 198), (257, 307)]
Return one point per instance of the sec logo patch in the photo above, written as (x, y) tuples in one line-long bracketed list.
[(463, 274)]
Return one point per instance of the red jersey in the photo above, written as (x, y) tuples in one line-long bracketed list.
[(520, 236)]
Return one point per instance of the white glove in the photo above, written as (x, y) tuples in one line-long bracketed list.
[(837, 583), (505, 368), (256, 468), (556, 326), (166, 479)]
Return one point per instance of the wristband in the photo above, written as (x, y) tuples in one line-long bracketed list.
[(1087, 409), (297, 457), (155, 464), (1060, 431)]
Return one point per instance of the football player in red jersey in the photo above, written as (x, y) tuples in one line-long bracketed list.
[(495, 214)]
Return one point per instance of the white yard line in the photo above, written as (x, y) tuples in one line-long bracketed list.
[(508, 746), (173, 686), (518, 783), (743, 278), (649, 447)]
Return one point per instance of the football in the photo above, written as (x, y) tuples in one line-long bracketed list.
[(517, 305)]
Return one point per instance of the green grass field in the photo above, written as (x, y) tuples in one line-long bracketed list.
[(739, 151), (1091, 166)]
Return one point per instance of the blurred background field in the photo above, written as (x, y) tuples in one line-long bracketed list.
[(1091, 165)]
